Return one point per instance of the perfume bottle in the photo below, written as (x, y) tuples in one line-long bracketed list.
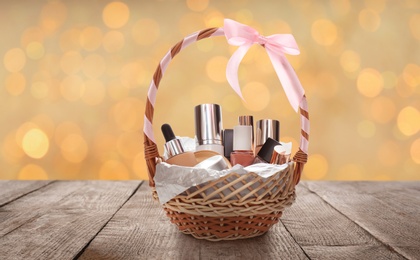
[(176, 153), (248, 120), (208, 128), (266, 128), (242, 146)]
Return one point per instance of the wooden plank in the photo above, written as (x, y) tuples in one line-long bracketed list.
[(57, 222), (11, 190), (325, 233), (140, 230), (388, 210)]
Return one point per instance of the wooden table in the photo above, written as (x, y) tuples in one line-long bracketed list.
[(120, 220)]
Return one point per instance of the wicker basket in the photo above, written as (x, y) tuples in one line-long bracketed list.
[(219, 210)]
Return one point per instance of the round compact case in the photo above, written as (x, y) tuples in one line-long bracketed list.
[(234, 206)]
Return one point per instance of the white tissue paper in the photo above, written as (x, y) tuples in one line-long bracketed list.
[(172, 180)]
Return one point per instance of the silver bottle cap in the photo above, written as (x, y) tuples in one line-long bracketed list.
[(267, 128), (174, 147), (208, 124)]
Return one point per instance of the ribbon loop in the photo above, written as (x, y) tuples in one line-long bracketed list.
[(276, 45)]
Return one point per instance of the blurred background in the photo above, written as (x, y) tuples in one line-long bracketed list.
[(74, 77)]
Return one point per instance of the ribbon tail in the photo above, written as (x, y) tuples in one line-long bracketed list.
[(233, 66), (288, 78)]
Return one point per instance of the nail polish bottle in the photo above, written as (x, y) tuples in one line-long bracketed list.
[(266, 128), (176, 153), (242, 149), (266, 151), (208, 128)]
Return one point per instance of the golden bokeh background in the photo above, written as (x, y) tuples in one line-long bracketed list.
[(75, 75)]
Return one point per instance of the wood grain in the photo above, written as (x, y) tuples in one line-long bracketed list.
[(325, 233), (140, 230), (11, 190), (58, 221), (388, 210)]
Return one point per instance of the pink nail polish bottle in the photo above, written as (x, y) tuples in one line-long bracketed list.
[(242, 146)]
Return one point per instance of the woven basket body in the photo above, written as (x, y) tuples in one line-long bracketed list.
[(237, 205)]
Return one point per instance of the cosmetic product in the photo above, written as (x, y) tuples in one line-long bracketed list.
[(248, 120), (288, 150), (176, 153), (228, 142), (278, 156), (216, 162), (266, 151), (203, 155), (266, 128), (242, 150), (208, 128)]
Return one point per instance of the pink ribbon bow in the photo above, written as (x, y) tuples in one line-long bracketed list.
[(276, 45)]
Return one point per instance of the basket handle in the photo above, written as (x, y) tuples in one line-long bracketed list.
[(151, 153)]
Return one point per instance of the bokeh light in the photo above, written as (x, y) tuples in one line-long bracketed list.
[(116, 14), (75, 80), (35, 143)]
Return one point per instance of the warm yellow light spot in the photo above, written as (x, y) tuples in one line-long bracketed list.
[(327, 84), (71, 62), (231, 103), (415, 151), (14, 60), (22, 130), (94, 92), (411, 75), (145, 31), (132, 75), (128, 146), (70, 40), (389, 153), (216, 68), (409, 121), (214, 19), (35, 50), (366, 128), (324, 32), (191, 22), (256, 95), (370, 82), (32, 34), (91, 38), (390, 79), (39, 90), (316, 168), (350, 172), (197, 5), (116, 90), (383, 109), (53, 15), (113, 41), (35, 143), (15, 84), (32, 172), (369, 20), (114, 170), (64, 129), (403, 89), (139, 167), (72, 88), (74, 148), (44, 122), (115, 15), (93, 66), (350, 61), (415, 26), (127, 114)]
